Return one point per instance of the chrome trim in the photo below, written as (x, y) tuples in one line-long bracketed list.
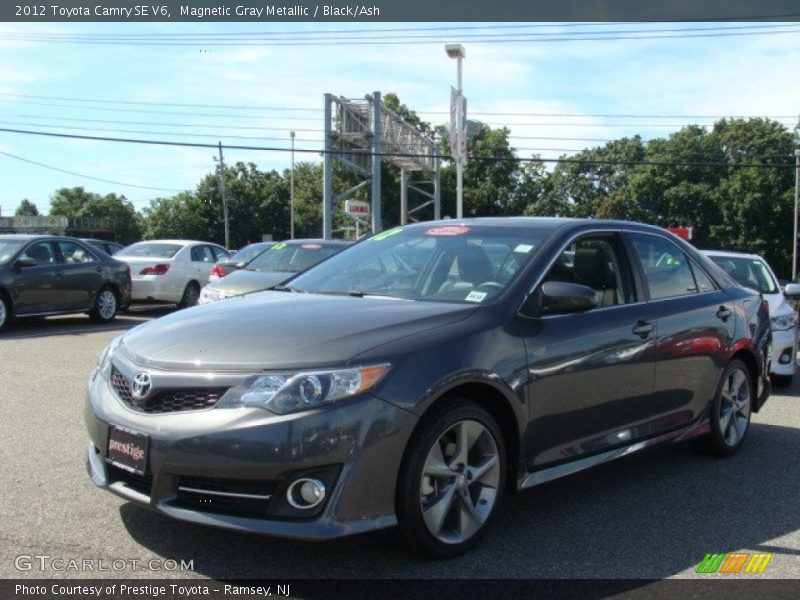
[(297, 505), (121, 489), (191, 490), (581, 464)]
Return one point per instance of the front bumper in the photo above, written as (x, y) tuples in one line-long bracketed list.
[(784, 344), (358, 445)]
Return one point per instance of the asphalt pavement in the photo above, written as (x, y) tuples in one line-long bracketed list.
[(653, 515)]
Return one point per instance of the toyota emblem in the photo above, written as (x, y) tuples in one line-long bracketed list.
[(141, 385)]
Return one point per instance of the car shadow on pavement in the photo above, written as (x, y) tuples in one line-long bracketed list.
[(78, 324), (653, 515)]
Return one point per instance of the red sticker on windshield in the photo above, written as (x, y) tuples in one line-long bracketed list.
[(448, 230), (311, 246)]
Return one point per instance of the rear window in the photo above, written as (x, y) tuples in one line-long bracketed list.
[(151, 250)]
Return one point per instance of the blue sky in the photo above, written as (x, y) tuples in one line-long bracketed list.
[(737, 75)]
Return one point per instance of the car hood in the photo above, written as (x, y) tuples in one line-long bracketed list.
[(278, 330), (243, 282)]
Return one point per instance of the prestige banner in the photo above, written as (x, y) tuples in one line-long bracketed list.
[(398, 11)]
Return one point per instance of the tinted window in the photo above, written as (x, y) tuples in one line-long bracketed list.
[(704, 283), (8, 248), (202, 254), (292, 258), (151, 249), (749, 272), (448, 263), (72, 253), (41, 252), (666, 268), (599, 263), (249, 252)]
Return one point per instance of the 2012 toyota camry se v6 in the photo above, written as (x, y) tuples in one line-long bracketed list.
[(418, 375)]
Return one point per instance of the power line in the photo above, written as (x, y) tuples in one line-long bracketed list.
[(52, 168), (789, 165), (316, 39), (310, 109)]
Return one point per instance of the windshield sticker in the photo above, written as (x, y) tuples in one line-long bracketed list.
[(447, 230), (382, 236), (280, 246), (475, 296), (311, 246), (523, 248)]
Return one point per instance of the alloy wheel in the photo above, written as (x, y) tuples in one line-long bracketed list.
[(107, 305), (735, 407), (460, 480)]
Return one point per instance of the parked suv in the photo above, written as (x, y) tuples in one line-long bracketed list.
[(44, 275), (750, 270), (413, 377)]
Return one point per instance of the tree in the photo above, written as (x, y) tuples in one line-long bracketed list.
[(26, 208), (77, 202)]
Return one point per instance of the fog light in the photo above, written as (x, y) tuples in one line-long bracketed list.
[(786, 356), (306, 493)]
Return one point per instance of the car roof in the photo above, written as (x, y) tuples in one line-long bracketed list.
[(318, 241), (178, 242)]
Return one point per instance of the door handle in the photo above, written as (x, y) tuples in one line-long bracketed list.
[(642, 328), (723, 313)]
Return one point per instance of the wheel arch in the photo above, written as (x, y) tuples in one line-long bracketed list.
[(496, 403)]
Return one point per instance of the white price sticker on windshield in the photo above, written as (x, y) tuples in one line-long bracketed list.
[(523, 248), (475, 296)]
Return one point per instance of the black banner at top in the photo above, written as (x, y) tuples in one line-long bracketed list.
[(267, 11)]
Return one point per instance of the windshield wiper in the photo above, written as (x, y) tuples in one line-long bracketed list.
[(289, 288)]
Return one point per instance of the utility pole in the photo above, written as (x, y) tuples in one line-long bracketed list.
[(291, 192), (221, 167)]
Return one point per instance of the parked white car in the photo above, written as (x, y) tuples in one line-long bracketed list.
[(170, 270), (750, 270)]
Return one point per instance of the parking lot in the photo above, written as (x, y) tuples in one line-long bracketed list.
[(655, 515)]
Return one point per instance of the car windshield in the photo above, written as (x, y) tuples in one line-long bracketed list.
[(248, 253), (152, 250), (749, 272), (292, 258), (8, 248), (445, 263)]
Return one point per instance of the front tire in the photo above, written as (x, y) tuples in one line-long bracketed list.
[(5, 311), (191, 294), (452, 480), (105, 306), (730, 411)]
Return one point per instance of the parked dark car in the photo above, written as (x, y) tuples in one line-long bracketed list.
[(418, 375), (271, 267), (106, 246), (43, 275), (238, 259)]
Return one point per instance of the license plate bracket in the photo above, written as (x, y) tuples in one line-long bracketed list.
[(128, 449)]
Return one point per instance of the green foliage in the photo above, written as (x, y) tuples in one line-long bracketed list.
[(26, 208), (77, 202)]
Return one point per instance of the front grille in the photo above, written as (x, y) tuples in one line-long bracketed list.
[(235, 497), (140, 483), (166, 400)]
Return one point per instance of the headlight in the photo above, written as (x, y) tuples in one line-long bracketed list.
[(782, 323), (104, 360), (210, 295), (283, 393)]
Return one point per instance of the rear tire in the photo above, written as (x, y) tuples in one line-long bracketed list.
[(191, 294), (730, 412), (451, 481), (105, 305)]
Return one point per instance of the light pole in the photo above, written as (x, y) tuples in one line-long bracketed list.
[(291, 192), (457, 51), (796, 202)]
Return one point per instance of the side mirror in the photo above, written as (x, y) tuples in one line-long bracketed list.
[(792, 289), (25, 261), (560, 297)]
